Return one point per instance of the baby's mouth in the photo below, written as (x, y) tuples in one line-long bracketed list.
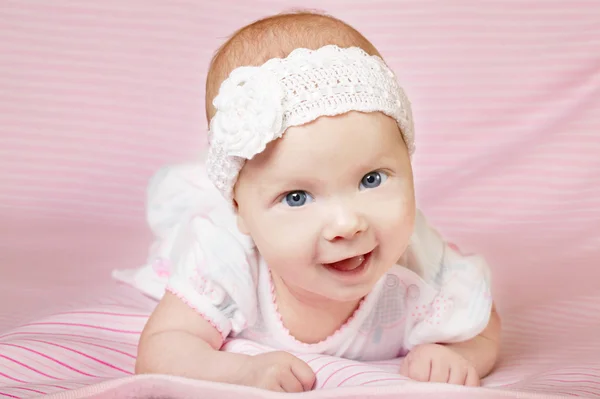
[(349, 264)]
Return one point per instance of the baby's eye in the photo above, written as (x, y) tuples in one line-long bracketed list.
[(373, 179), (296, 198)]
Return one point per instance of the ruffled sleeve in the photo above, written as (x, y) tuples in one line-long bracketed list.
[(199, 254), (451, 301)]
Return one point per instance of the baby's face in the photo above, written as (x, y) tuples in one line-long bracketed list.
[(338, 188)]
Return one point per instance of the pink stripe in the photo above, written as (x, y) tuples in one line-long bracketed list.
[(571, 392), (53, 334), (252, 346), (51, 359), (82, 325), (30, 390), (37, 383), (88, 343), (574, 381), (328, 364), (112, 366), (592, 394), (385, 364), (339, 370), (583, 374), (9, 395), (103, 314), (29, 368), (357, 374), (12, 378)]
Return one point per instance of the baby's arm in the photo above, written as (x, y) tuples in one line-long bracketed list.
[(482, 351), (179, 341)]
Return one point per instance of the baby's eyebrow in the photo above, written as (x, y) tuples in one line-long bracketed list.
[(378, 160), (281, 182)]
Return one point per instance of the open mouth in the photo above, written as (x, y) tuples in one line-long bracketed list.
[(351, 265)]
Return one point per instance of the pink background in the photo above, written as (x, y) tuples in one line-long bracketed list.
[(95, 96)]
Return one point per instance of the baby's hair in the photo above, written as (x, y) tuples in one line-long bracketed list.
[(278, 36)]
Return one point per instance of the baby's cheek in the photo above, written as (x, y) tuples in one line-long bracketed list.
[(396, 230), (397, 215), (286, 242)]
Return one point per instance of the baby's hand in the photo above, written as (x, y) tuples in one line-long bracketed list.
[(438, 363), (276, 371)]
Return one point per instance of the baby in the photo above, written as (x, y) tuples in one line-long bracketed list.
[(308, 239)]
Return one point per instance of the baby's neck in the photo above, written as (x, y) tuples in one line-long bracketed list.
[(308, 318)]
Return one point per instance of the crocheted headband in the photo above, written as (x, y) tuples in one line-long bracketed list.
[(256, 105)]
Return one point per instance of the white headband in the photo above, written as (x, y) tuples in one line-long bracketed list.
[(256, 105)]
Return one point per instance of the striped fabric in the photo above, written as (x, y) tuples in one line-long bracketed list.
[(93, 345), (95, 96)]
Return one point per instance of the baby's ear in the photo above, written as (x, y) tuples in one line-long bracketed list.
[(240, 220)]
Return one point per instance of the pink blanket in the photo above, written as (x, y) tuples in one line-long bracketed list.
[(95, 96)]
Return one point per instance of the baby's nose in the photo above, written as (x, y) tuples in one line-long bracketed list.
[(345, 223)]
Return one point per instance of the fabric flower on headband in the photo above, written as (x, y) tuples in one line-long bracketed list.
[(249, 112)]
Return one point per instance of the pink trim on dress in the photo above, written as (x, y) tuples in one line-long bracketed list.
[(201, 313), (287, 332)]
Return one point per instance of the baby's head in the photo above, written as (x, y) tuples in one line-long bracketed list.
[(313, 150)]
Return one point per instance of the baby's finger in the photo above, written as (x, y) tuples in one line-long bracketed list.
[(419, 370), (440, 371), (303, 373), (458, 375), (275, 386), (472, 379), (289, 382)]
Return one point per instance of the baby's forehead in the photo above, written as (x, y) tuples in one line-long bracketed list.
[(344, 138)]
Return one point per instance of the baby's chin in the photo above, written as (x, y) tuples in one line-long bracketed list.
[(350, 297), (345, 294)]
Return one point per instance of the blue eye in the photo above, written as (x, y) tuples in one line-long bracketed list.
[(373, 180), (296, 198)]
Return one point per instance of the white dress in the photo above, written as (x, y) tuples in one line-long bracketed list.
[(434, 294)]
